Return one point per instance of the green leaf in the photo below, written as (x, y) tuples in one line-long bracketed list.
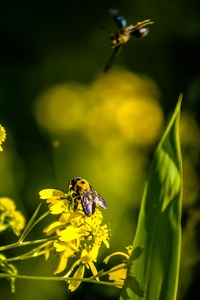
[(154, 274), (30, 224)]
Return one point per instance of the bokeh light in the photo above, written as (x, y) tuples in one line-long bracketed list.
[(119, 108)]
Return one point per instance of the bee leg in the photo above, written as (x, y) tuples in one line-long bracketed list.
[(115, 53)]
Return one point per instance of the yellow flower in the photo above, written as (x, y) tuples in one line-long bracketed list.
[(66, 250), (87, 257), (77, 236), (56, 199), (86, 261), (17, 222), (7, 205), (2, 136), (98, 233), (10, 218), (118, 273)]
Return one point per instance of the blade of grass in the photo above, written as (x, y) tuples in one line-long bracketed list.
[(154, 275), (29, 226)]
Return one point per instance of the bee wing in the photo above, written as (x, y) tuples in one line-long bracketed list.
[(87, 201), (97, 198), (115, 53), (121, 23)]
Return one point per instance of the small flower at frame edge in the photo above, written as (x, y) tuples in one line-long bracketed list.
[(7, 205), (17, 222), (2, 136)]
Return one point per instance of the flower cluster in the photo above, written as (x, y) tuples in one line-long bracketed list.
[(2, 136), (77, 235), (10, 218)]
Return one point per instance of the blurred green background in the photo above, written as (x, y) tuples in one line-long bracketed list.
[(65, 118)]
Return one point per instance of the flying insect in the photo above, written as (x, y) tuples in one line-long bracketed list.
[(84, 192), (123, 35)]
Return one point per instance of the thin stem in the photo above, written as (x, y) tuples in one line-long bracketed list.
[(2, 275), (41, 217), (32, 223), (27, 255), (20, 244)]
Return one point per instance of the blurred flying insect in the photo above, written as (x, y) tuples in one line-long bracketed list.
[(84, 192), (123, 35)]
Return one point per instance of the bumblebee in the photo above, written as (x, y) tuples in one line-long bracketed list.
[(124, 34), (84, 192)]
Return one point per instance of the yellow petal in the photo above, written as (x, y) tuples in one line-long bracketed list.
[(52, 201), (78, 274), (93, 269), (51, 193), (53, 227), (62, 264), (47, 249), (70, 233), (87, 257), (77, 216), (119, 275), (106, 243), (59, 247), (115, 253), (64, 218), (58, 208)]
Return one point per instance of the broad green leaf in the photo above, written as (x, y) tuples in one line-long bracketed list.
[(154, 274)]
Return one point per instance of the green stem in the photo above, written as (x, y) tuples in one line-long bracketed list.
[(2, 275), (26, 255), (32, 223), (20, 244)]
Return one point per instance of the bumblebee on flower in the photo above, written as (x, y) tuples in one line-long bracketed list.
[(79, 233)]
